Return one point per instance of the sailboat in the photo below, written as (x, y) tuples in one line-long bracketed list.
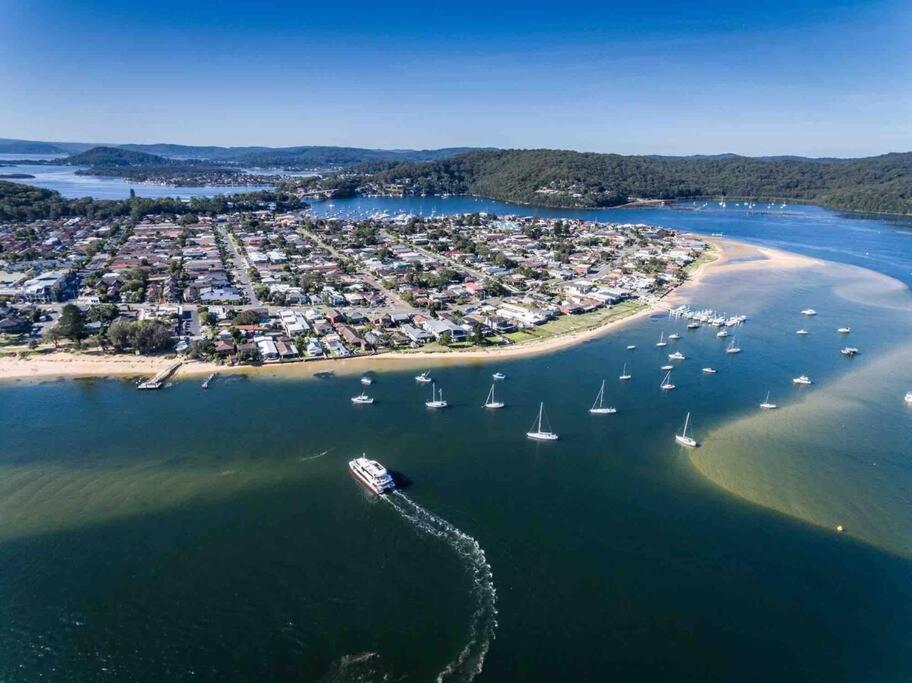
[(666, 384), (538, 433), (424, 377), (599, 407), (662, 341), (682, 438), (766, 405), (624, 374), (490, 402), (436, 400), (733, 346)]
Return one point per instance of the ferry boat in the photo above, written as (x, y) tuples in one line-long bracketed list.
[(666, 384), (538, 433), (808, 312), (424, 377), (599, 407), (802, 332), (436, 399), (766, 405), (844, 330), (499, 376), (849, 351), (362, 399), (491, 402), (682, 438), (709, 371), (624, 376), (677, 355), (372, 474), (802, 379)]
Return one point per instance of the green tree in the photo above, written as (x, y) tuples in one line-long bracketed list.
[(71, 323)]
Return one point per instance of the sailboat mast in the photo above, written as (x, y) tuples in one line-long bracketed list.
[(541, 409), (686, 420)]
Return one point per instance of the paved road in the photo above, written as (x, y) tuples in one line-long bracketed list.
[(456, 265), (398, 301), (240, 265)]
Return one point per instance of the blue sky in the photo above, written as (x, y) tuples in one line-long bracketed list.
[(810, 77)]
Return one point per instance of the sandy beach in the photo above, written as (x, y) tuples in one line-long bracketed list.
[(730, 256)]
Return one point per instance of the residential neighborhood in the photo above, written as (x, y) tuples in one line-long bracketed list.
[(271, 287)]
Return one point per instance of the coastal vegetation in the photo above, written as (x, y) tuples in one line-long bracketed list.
[(559, 178), (20, 202)]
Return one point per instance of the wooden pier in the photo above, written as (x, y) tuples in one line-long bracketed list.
[(159, 379)]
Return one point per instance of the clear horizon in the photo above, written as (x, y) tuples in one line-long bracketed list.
[(810, 78)]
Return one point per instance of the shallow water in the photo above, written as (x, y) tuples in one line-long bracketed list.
[(187, 534)]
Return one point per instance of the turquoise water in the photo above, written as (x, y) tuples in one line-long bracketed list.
[(183, 534)]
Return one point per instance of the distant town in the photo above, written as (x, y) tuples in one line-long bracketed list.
[(272, 286)]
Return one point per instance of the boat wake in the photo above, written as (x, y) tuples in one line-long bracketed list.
[(470, 660)]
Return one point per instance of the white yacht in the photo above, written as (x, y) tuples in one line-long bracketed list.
[(733, 346), (802, 379), (436, 398), (367, 381), (844, 330), (722, 333), (666, 368), (362, 399), (498, 376), (631, 347), (372, 474), (808, 312), (766, 405), (909, 397), (682, 438), (624, 376), (424, 377), (538, 433), (666, 384), (849, 351), (661, 341), (802, 332), (599, 407), (491, 402), (674, 336), (693, 325), (677, 355), (709, 371)]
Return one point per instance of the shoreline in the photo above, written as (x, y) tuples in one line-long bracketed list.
[(67, 365)]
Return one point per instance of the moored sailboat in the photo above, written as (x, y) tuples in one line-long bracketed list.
[(491, 402), (599, 407), (683, 438), (538, 433)]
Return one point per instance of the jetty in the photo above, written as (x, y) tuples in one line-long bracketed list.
[(159, 379), (208, 380)]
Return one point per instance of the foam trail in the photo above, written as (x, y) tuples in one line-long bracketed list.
[(470, 660)]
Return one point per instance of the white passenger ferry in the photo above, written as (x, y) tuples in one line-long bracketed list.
[(372, 474)]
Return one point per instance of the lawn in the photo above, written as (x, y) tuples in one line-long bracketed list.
[(570, 324)]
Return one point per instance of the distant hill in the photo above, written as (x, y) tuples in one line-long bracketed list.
[(309, 156), (113, 156), (574, 179), (28, 147)]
